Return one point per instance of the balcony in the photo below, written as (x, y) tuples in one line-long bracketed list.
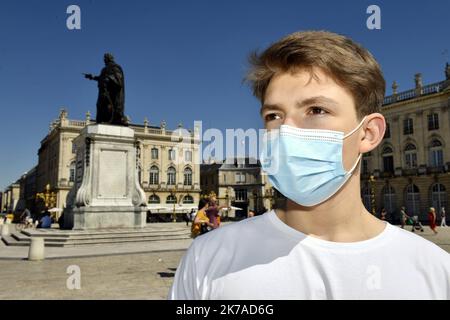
[(386, 174), (410, 172), (438, 169)]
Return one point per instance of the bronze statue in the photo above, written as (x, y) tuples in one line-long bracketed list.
[(111, 93)]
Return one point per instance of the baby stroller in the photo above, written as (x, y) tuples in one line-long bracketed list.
[(416, 225)]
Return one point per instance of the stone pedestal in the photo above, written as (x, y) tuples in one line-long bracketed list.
[(106, 193)]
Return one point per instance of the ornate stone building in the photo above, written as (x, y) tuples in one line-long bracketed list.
[(169, 164), (239, 183), (411, 167)]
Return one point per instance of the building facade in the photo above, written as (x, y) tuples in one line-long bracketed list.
[(239, 183), (169, 165), (411, 167)]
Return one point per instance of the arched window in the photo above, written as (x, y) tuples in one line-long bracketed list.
[(171, 176), (438, 197), (72, 172), (410, 156), (412, 200), (389, 199), (154, 175), (436, 154), (188, 199), (187, 177), (171, 199), (153, 199)]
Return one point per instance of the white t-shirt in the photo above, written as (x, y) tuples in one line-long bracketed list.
[(264, 258)]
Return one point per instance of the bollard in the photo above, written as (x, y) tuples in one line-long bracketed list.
[(5, 230), (36, 251)]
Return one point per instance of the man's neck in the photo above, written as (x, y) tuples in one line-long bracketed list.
[(342, 218)]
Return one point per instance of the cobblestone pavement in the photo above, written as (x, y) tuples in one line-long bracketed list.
[(131, 276)]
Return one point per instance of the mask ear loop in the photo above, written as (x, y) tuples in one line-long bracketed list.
[(360, 156), (356, 129)]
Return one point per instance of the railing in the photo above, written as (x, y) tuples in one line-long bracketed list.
[(410, 94), (77, 123)]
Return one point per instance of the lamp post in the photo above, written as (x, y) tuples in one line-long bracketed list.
[(49, 198), (372, 194), (174, 216)]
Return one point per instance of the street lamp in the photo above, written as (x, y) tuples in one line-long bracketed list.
[(172, 193), (49, 198), (372, 194)]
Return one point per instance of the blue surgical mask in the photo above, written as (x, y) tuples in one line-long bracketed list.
[(305, 165)]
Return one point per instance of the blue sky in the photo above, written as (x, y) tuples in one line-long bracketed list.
[(183, 60)]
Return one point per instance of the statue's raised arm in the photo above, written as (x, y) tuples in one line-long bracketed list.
[(111, 92)]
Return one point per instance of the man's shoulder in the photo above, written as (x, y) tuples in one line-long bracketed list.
[(416, 244), (232, 234)]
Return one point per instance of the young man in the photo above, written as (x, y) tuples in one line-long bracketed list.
[(321, 94)]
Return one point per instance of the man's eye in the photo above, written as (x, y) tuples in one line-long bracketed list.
[(271, 117), (317, 110)]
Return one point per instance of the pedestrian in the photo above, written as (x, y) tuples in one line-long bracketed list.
[(432, 219), (443, 218), (213, 212), (250, 214), (201, 222), (193, 213), (187, 218), (403, 217), (46, 221), (383, 214)]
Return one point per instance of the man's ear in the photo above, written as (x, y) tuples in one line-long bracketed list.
[(373, 132)]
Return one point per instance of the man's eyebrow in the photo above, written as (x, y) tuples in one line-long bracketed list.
[(301, 103), (317, 100), (270, 107)]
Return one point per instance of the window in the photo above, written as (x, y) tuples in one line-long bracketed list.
[(154, 153), (240, 177), (408, 127), (153, 199), (224, 178), (74, 149), (410, 156), (436, 154), (154, 175), (171, 154), (388, 160), (412, 200), (188, 155), (171, 176), (389, 199), (72, 172), (241, 195), (188, 199), (187, 177), (387, 134), (438, 197), (171, 199), (433, 121)]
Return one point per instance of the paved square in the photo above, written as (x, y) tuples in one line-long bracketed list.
[(127, 276)]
